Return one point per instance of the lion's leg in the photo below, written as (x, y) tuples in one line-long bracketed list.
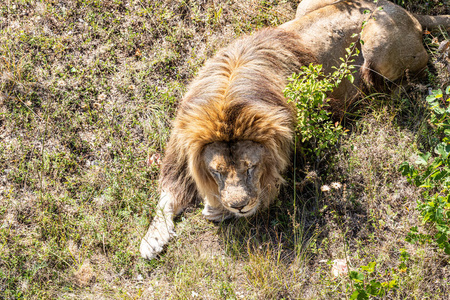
[(161, 229), (307, 6), (393, 45)]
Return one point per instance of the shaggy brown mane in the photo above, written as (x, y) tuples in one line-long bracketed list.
[(238, 95)]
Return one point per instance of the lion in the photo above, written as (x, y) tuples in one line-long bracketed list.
[(233, 132)]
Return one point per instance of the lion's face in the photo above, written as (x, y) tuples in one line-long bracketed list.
[(236, 168)]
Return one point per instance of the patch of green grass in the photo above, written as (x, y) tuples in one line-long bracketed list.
[(88, 90)]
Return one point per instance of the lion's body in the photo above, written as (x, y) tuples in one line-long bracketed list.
[(233, 132), (392, 40)]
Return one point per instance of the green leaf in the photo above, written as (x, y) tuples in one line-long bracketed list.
[(442, 149), (435, 94), (374, 288), (405, 168), (447, 90), (447, 248), (356, 276), (370, 268), (437, 109), (393, 284), (438, 93), (441, 238), (362, 295), (431, 99), (423, 158), (354, 295), (350, 78)]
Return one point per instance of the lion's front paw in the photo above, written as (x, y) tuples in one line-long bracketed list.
[(150, 247), (215, 214), (155, 240)]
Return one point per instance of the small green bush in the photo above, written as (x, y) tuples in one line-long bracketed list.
[(365, 283), (308, 90)]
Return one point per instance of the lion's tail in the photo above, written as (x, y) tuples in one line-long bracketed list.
[(431, 22)]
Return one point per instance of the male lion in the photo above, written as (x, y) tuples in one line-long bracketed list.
[(233, 131)]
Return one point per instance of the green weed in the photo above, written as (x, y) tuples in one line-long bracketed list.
[(433, 175)]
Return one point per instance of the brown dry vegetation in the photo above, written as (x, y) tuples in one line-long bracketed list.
[(87, 92)]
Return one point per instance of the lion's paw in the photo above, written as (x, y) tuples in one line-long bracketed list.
[(215, 214), (154, 241), (150, 248)]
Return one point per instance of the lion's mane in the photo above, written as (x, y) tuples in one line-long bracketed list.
[(237, 95)]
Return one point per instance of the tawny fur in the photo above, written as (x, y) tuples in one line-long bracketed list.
[(236, 102)]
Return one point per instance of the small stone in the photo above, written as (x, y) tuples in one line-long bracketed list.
[(339, 267), (336, 185), (325, 188)]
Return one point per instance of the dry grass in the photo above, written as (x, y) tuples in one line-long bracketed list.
[(88, 89)]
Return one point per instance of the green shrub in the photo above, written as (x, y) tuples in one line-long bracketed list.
[(308, 90), (365, 283)]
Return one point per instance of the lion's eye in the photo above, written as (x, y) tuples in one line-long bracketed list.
[(217, 175), (250, 172)]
